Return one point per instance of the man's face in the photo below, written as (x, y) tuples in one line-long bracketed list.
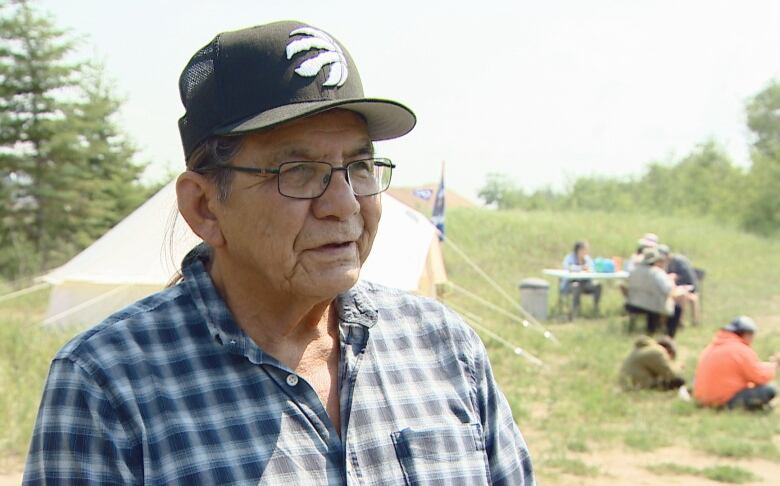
[(300, 247), (748, 337)]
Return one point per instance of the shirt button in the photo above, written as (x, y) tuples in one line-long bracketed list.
[(292, 380)]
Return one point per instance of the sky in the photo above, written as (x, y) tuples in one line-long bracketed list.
[(542, 92)]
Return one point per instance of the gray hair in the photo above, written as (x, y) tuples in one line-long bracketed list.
[(216, 150)]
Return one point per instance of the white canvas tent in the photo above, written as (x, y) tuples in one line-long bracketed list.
[(141, 254)]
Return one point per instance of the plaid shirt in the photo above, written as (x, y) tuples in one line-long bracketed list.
[(171, 391)]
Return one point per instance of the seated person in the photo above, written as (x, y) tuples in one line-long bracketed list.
[(729, 372), (579, 261), (651, 292), (681, 269), (649, 240), (651, 366)]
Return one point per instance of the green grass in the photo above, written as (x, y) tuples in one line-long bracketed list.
[(645, 440), (671, 468), (729, 474), (26, 351), (577, 445), (573, 466), (738, 448), (723, 474)]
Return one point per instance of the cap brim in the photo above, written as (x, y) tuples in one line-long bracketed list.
[(385, 119)]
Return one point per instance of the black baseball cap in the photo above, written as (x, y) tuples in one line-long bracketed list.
[(263, 76)]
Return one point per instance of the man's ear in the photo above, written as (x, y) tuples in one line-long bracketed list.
[(195, 195)]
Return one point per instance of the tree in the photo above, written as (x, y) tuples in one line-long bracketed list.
[(763, 119), (66, 171), (703, 183), (601, 194), (500, 191)]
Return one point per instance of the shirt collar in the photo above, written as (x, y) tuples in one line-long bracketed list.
[(222, 327), (355, 306)]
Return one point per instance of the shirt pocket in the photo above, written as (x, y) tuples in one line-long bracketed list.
[(442, 455)]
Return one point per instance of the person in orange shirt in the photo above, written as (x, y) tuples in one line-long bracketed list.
[(730, 373)]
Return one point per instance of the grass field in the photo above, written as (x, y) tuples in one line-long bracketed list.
[(25, 353), (570, 409)]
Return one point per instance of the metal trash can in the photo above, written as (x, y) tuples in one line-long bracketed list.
[(533, 297)]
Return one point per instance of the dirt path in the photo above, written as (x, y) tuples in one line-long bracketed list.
[(11, 479), (11, 471), (621, 467), (617, 468)]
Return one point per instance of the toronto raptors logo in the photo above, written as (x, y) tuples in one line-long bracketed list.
[(330, 55)]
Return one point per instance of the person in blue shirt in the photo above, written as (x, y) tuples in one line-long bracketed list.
[(683, 273), (270, 362), (580, 261)]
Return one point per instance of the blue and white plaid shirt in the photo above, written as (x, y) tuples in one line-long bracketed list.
[(171, 391)]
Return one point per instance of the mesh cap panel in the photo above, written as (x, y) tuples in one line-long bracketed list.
[(199, 70), (197, 88)]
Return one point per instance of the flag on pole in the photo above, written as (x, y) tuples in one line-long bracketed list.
[(424, 194), (437, 218)]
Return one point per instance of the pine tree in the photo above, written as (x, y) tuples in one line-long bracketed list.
[(66, 171)]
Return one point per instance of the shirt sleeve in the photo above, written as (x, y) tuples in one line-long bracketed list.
[(78, 436), (568, 261), (689, 274), (754, 370), (508, 456)]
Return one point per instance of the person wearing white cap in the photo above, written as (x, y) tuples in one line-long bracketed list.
[(730, 374), (649, 240)]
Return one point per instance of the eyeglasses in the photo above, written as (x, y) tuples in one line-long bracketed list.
[(310, 179)]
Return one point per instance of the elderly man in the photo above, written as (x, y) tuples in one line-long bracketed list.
[(269, 363)]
